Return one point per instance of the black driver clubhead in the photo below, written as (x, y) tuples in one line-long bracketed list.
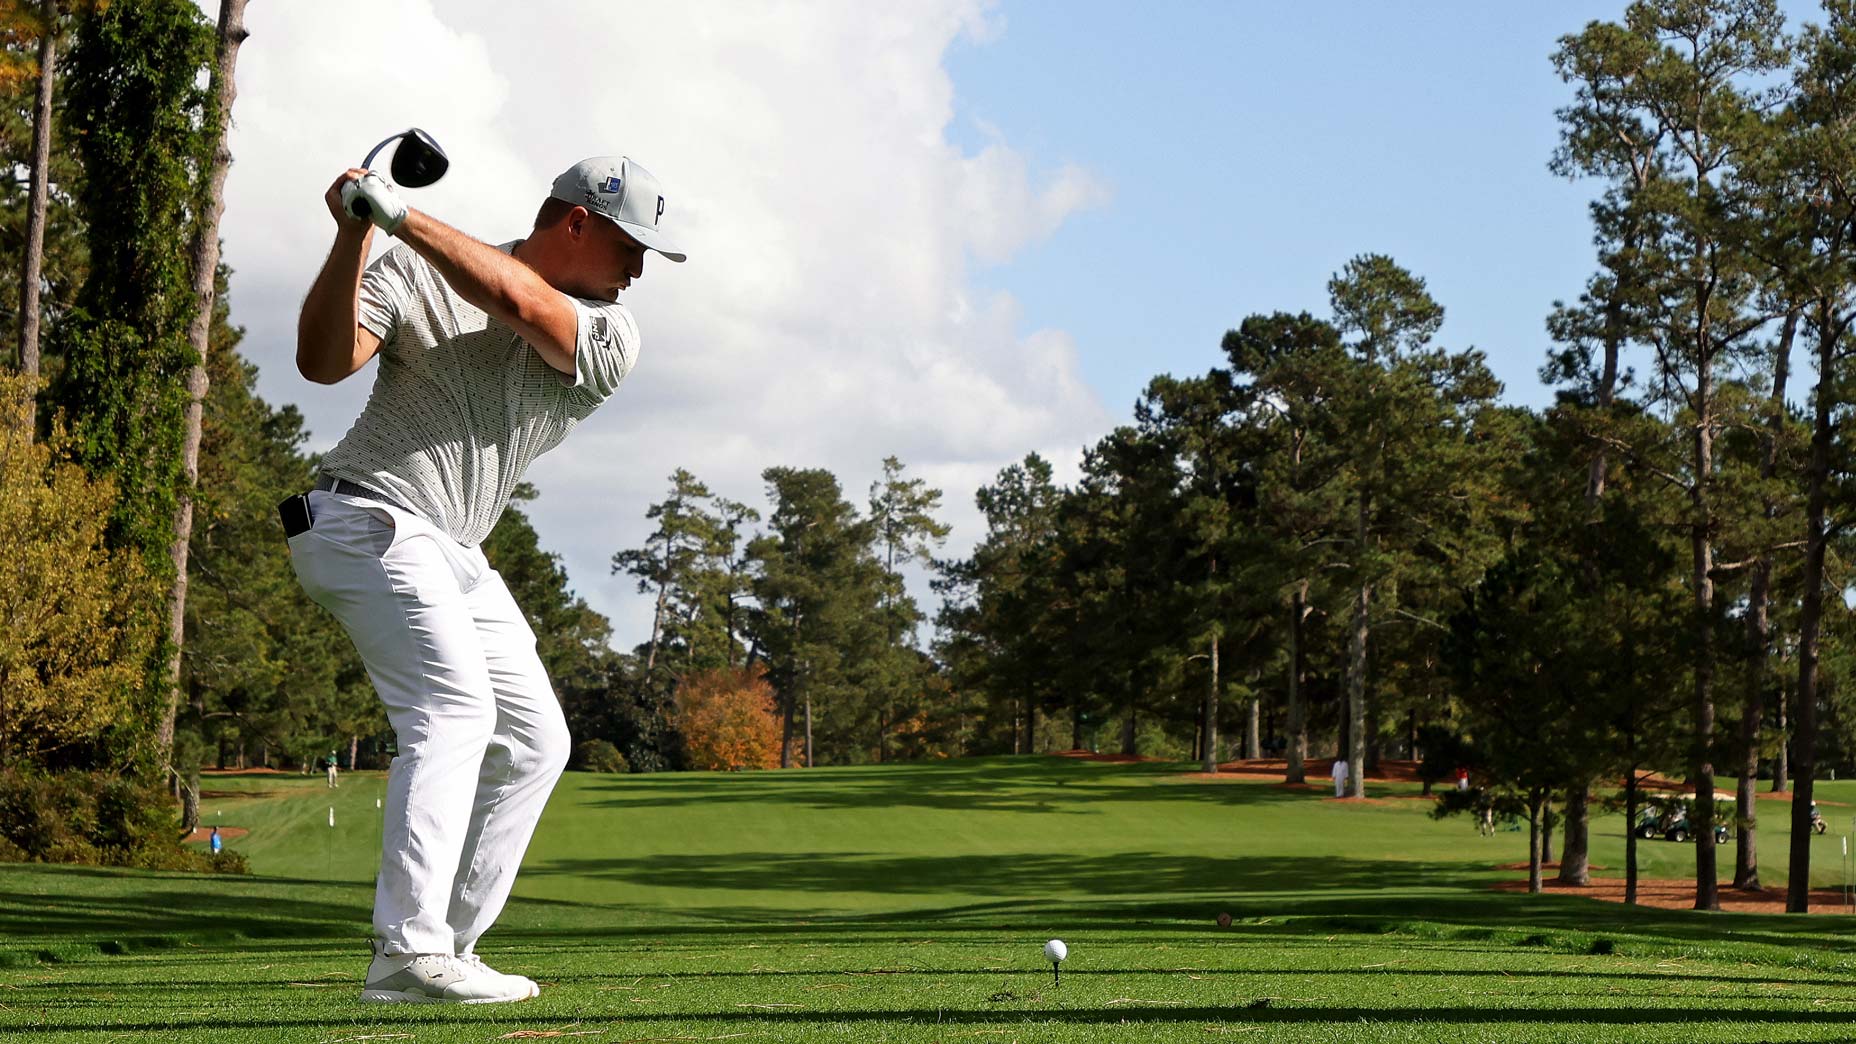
[(419, 161)]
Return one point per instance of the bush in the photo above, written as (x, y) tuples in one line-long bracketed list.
[(95, 818), (727, 720), (65, 676), (598, 755)]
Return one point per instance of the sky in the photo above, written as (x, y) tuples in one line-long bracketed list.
[(950, 231)]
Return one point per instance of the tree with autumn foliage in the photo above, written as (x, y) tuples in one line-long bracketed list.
[(728, 720), (69, 647)]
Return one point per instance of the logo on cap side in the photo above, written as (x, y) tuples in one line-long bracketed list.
[(611, 185), (660, 211)]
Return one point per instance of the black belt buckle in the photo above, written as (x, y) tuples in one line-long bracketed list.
[(294, 510)]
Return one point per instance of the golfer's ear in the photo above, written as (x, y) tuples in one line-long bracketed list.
[(576, 221)]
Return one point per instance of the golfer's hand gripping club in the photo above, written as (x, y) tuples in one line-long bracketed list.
[(370, 198)]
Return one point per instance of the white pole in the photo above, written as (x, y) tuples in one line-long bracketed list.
[(1844, 865)]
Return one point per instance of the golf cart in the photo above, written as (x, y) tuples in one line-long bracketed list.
[(1670, 822)]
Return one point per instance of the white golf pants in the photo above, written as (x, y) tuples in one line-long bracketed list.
[(481, 737)]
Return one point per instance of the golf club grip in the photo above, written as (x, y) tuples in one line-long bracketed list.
[(361, 208)]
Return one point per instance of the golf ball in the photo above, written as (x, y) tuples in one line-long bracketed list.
[(1055, 950)]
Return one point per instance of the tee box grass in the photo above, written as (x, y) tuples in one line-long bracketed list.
[(911, 903)]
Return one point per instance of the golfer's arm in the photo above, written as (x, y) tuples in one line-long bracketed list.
[(330, 343), (499, 284)]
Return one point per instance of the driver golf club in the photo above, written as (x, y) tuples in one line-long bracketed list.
[(418, 162)]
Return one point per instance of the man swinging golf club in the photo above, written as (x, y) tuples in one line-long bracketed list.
[(489, 355)]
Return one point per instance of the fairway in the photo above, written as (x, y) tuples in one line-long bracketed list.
[(909, 903)]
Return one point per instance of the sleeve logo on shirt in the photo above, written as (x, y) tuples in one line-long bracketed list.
[(602, 330)]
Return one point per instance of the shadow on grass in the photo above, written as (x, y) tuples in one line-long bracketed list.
[(1160, 895), (1128, 1013), (140, 904), (1017, 874), (1020, 784)]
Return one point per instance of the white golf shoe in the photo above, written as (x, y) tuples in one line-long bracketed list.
[(441, 978), (518, 981)]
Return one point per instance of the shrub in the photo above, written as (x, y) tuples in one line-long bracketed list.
[(727, 720), (65, 676), (598, 755), (95, 818)]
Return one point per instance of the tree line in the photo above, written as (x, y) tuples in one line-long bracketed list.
[(1341, 525), (1335, 541)]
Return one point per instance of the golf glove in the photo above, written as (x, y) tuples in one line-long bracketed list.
[(370, 198)]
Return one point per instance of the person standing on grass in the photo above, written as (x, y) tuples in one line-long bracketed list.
[(332, 783), (489, 356), (1339, 772)]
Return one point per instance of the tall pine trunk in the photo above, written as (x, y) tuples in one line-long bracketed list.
[(1811, 613), (1630, 832), (204, 252), (1253, 730), (1575, 863), (1701, 759), (1356, 671), (1298, 714), (1534, 802), (39, 194), (786, 731), (1759, 635), (1781, 757), (1210, 727)]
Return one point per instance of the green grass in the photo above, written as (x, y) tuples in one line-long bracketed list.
[(908, 903)]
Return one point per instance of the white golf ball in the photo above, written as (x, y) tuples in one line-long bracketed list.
[(1055, 950)]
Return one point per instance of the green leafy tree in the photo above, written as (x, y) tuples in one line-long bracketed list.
[(818, 620), (135, 100), (70, 646), (1819, 151), (666, 565), (1423, 438), (996, 626), (904, 529), (1696, 85), (1287, 371)]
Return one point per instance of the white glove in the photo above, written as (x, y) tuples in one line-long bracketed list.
[(370, 198)]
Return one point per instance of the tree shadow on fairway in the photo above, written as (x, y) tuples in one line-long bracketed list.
[(1047, 1010), (38, 907), (1030, 876), (1017, 784)]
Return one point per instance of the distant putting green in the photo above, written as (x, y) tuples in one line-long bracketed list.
[(909, 903)]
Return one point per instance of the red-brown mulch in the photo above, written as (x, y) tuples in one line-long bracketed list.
[(1271, 770), (1671, 894), (206, 833)]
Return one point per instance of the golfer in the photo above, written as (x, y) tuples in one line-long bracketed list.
[(489, 355)]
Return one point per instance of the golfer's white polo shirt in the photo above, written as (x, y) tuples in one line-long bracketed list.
[(461, 403)]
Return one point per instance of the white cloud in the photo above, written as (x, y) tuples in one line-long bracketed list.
[(826, 316)]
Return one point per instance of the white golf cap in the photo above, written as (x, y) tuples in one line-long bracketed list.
[(616, 187)]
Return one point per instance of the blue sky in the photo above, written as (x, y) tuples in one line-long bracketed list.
[(1149, 176), (1253, 148)]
